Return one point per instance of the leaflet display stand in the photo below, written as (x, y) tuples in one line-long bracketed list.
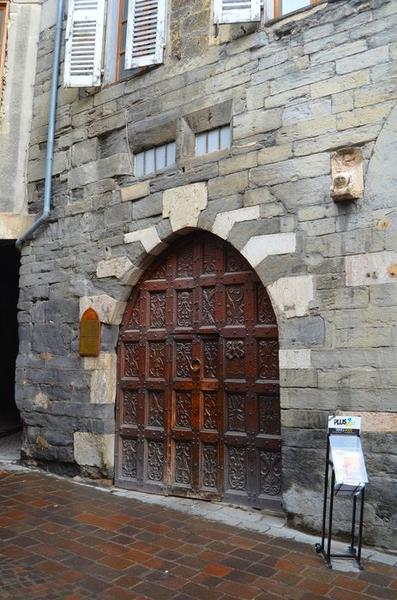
[(348, 478)]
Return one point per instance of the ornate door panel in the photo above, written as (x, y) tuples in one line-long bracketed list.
[(198, 395)]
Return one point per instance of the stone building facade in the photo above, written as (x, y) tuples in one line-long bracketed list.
[(297, 92)]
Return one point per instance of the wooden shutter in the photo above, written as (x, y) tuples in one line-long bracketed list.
[(237, 11), (84, 40), (145, 33)]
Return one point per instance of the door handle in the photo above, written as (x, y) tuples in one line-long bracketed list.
[(195, 365)]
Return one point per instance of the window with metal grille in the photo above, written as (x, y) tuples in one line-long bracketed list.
[(213, 140), (154, 159)]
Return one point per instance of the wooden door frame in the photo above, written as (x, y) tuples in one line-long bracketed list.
[(163, 487)]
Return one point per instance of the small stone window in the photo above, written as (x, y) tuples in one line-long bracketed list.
[(213, 140), (154, 159)]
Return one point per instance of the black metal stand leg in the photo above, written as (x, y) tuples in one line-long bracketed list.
[(331, 509), (320, 547), (325, 495), (360, 531), (351, 547)]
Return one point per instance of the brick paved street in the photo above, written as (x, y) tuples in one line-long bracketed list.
[(60, 540)]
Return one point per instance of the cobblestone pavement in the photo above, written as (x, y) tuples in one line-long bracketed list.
[(60, 540)]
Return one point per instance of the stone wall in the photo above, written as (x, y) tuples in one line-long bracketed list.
[(295, 91), (16, 115)]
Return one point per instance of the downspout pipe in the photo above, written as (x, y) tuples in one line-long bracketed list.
[(51, 131)]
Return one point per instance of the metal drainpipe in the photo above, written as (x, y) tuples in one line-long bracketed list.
[(51, 131)]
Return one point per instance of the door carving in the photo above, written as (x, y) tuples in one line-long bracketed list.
[(198, 411)]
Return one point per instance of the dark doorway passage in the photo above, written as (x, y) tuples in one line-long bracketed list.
[(9, 269)]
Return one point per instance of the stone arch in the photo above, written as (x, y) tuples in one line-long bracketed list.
[(223, 303)]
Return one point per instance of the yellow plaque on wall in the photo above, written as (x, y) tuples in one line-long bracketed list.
[(90, 333)]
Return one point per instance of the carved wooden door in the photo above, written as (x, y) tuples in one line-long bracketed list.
[(198, 410)]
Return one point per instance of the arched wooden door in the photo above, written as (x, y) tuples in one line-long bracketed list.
[(198, 410)]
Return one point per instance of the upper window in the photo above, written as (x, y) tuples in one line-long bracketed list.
[(154, 159), (283, 7), (3, 39), (213, 140), (136, 33), (141, 35)]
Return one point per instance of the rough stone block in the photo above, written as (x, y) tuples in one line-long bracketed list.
[(292, 295), (135, 191), (302, 332), (371, 269), (238, 163), (149, 239), (274, 154), (291, 170), (95, 450), (84, 152), (363, 60), (228, 185), (103, 378), (114, 267), (261, 246), (255, 122), (295, 359), (109, 310), (182, 205), (224, 221)]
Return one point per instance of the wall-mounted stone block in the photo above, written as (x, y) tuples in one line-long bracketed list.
[(371, 269), (109, 310), (261, 246), (347, 174), (93, 449), (183, 205), (292, 295)]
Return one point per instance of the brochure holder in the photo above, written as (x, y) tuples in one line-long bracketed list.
[(348, 478)]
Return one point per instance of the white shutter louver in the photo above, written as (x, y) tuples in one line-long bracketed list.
[(145, 33), (237, 11), (84, 39)]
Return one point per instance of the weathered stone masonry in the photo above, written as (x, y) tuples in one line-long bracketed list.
[(295, 91)]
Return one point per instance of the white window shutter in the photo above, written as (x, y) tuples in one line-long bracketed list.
[(84, 41), (145, 33), (237, 11)]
